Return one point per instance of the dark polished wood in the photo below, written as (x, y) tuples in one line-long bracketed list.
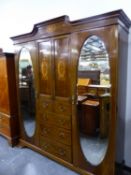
[(9, 126), (55, 47)]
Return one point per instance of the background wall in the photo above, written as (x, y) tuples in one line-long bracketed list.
[(128, 109), (18, 17)]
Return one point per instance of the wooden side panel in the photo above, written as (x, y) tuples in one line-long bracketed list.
[(9, 126), (10, 63), (4, 95)]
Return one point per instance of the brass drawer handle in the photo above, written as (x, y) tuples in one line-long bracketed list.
[(61, 108), (45, 131), (45, 105), (62, 135), (45, 117), (62, 152), (46, 146), (62, 121)]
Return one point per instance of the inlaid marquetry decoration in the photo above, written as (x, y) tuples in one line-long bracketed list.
[(44, 69), (61, 69)]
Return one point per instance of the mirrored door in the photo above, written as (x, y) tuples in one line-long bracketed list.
[(93, 99), (27, 92)]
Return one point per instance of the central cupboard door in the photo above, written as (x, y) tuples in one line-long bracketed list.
[(55, 97)]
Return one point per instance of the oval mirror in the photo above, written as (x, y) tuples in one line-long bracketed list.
[(27, 91), (93, 99)]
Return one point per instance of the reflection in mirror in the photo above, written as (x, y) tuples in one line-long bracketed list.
[(27, 91), (93, 99)]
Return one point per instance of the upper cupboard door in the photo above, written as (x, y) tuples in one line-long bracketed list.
[(45, 67), (62, 66)]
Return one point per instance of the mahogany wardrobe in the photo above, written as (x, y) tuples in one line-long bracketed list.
[(71, 77), (9, 127)]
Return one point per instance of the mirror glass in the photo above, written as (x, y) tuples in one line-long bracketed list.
[(93, 99), (27, 91)]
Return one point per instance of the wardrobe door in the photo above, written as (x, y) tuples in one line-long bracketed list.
[(62, 67), (45, 65), (95, 112), (27, 91)]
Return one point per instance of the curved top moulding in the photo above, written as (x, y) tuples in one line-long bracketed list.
[(43, 29), (62, 25)]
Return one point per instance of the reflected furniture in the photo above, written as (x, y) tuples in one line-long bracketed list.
[(82, 86), (89, 117), (55, 47), (102, 94), (94, 110), (9, 126), (104, 114)]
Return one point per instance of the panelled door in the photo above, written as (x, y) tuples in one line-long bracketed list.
[(55, 97)]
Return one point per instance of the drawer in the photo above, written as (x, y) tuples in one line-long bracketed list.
[(82, 90), (63, 121), (62, 108), (4, 120), (45, 105), (55, 133), (4, 124), (5, 130), (60, 150)]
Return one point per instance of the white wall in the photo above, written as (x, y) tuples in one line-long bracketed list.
[(128, 111), (18, 17)]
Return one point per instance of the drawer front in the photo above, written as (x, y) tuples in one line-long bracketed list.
[(82, 90), (45, 105), (63, 121), (62, 108), (57, 149), (4, 120), (59, 134), (5, 130), (54, 106), (4, 124)]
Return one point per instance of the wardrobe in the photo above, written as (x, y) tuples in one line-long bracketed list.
[(69, 78), (9, 127)]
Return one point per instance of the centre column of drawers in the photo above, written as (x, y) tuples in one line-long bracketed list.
[(55, 128)]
